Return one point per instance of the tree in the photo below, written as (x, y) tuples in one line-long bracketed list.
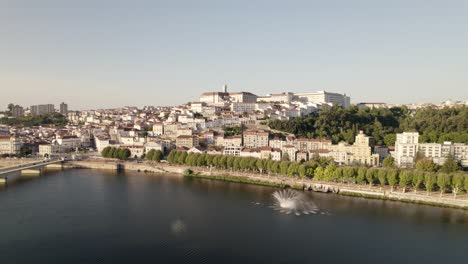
[(465, 183), (388, 162), (382, 176), (181, 158), (260, 164), (329, 171), (171, 157), (450, 165), (418, 179), (318, 173), (105, 152), (370, 176), (457, 183), (201, 160), (425, 164), (157, 156), (126, 154), (429, 181), (443, 181), (349, 174), (361, 175), (392, 178), (292, 169), (10, 107), (285, 157), (150, 154), (390, 139), (405, 179), (302, 170), (338, 174), (284, 167)]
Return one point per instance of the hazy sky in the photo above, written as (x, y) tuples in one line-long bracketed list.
[(95, 54)]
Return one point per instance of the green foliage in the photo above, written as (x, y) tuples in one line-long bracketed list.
[(382, 176), (450, 165), (443, 181), (330, 172), (338, 124), (158, 156), (232, 131), (388, 162), (418, 179), (457, 183), (187, 172), (392, 177), (150, 154), (430, 181), (116, 153), (361, 175), (370, 176), (56, 119), (406, 178), (389, 139), (425, 164)]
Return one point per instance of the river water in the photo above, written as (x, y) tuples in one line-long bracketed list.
[(89, 216)]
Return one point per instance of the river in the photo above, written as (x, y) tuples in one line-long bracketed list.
[(92, 216)]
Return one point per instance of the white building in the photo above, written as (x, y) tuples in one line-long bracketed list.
[(243, 107), (323, 97), (68, 143), (10, 145), (406, 148)]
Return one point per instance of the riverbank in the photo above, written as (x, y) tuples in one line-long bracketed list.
[(373, 192)]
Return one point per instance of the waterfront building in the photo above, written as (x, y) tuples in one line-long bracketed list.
[(361, 152), (250, 152), (47, 150), (101, 142), (290, 150), (68, 143), (255, 138), (311, 144), (406, 147), (10, 145), (232, 150)]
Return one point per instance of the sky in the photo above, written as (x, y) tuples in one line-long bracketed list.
[(110, 53)]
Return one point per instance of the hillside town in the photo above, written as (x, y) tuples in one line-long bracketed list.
[(227, 123)]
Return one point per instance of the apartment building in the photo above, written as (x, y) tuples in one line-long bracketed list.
[(255, 138), (406, 148), (187, 141), (10, 145)]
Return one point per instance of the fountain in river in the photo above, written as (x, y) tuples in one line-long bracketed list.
[(293, 202)]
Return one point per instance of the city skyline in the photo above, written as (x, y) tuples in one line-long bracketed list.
[(167, 54)]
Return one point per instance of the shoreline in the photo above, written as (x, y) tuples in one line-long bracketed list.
[(277, 181)]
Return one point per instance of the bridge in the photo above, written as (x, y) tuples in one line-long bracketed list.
[(33, 168)]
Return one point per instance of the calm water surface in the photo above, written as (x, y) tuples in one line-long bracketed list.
[(85, 216)]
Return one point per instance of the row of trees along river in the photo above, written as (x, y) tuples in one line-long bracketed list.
[(339, 124), (447, 178)]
